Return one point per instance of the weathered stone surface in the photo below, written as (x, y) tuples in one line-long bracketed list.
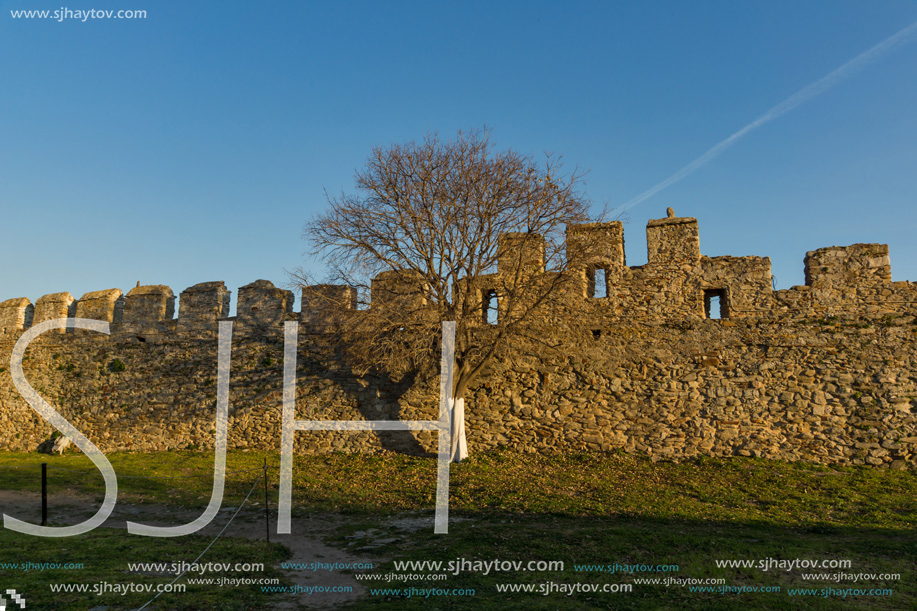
[(151, 303), (672, 240), (399, 290), (521, 251), (107, 305), (263, 304), (823, 373), (55, 305), (15, 315), (322, 305), (202, 305)]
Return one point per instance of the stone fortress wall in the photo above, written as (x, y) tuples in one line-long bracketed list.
[(825, 372)]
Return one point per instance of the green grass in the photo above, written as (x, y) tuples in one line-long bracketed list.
[(736, 489), (693, 545), (581, 509), (104, 554)]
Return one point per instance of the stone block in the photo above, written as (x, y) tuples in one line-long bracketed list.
[(152, 303), (672, 240), (15, 315), (399, 290), (844, 267), (202, 305), (55, 305), (597, 244), (323, 305), (520, 253), (107, 305), (263, 304)]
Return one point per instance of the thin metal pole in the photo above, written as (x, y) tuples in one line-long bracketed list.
[(267, 521), (44, 493)]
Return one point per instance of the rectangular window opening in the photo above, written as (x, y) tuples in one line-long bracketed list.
[(491, 305), (715, 305), (597, 278)]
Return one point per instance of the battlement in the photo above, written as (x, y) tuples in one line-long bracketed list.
[(15, 314), (201, 306), (597, 245), (261, 304), (677, 283), (401, 290), (672, 240), (55, 305), (149, 303), (520, 254), (322, 305), (786, 378), (840, 267)]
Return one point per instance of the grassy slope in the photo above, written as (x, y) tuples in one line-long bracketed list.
[(588, 509)]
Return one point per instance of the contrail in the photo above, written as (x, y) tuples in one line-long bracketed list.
[(803, 95)]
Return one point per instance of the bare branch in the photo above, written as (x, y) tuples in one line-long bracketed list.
[(434, 230)]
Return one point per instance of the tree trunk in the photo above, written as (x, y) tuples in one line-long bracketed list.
[(457, 422)]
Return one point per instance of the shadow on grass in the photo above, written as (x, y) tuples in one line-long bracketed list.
[(93, 571), (588, 509), (590, 547)]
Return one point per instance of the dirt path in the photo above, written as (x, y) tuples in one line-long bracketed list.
[(305, 542)]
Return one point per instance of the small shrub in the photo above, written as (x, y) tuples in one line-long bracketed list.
[(116, 366)]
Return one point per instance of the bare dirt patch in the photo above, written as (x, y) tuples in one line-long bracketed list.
[(305, 542)]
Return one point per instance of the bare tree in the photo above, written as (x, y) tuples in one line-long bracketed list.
[(446, 231)]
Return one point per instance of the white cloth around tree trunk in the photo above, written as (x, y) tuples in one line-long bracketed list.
[(457, 422)]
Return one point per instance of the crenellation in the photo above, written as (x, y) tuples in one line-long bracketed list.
[(672, 241), (261, 304), (107, 305), (818, 372), (598, 250), (201, 306), (520, 253), (15, 315), (55, 305), (849, 281), (399, 290), (745, 283), (152, 303), (676, 283), (321, 305), (149, 313), (839, 267), (597, 244)]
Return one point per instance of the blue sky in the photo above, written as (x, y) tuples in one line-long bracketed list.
[(192, 145)]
